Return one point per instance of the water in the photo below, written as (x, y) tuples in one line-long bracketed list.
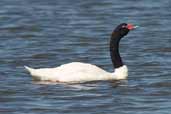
[(45, 33)]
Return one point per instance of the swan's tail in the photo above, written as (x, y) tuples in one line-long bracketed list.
[(34, 73), (30, 70), (40, 74)]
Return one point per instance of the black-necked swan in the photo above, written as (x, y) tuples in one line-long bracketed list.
[(84, 72)]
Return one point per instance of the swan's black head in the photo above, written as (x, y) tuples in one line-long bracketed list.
[(123, 29)]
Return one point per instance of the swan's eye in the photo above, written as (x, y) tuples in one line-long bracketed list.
[(124, 26)]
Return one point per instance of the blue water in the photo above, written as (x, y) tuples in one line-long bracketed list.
[(44, 33)]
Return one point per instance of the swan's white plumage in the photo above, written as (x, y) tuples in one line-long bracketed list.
[(77, 72)]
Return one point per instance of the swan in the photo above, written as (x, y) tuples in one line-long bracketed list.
[(83, 72)]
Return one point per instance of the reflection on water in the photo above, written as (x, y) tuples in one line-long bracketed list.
[(49, 33)]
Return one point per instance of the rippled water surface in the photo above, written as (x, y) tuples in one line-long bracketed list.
[(44, 33)]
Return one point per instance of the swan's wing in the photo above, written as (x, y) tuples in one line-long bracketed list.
[(71, 72)]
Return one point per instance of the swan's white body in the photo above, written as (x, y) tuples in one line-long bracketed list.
[(77, 72)]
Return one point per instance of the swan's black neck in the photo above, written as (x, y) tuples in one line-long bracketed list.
[(114, 49)]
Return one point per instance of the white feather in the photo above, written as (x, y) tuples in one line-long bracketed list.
[(77, 72)]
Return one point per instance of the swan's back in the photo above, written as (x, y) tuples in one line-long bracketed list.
[(71, 72)]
